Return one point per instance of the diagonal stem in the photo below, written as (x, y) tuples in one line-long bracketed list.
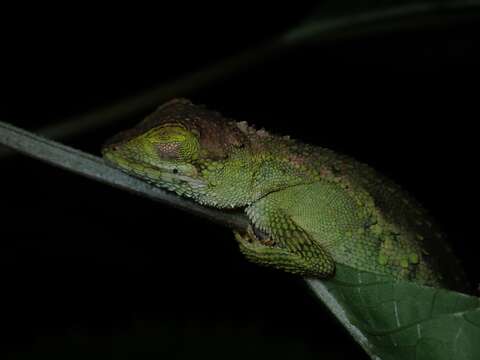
[(148, 100), (95, 168)]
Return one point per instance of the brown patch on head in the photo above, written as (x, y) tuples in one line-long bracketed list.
[(296, 160), (216, 134)]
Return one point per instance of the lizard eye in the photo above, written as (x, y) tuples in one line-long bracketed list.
[(174, 142), (175, 171)]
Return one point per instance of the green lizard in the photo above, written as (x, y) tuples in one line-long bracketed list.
[(309, 207)]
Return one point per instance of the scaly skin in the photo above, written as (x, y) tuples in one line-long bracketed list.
[(309, 207)]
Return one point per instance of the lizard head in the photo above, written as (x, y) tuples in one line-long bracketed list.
[(180, 147)]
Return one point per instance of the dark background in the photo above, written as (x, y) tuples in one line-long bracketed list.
[(87, 270)]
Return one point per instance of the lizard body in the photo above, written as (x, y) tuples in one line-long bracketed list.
[(309, 207)]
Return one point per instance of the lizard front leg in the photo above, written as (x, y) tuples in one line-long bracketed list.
[(285, 245)]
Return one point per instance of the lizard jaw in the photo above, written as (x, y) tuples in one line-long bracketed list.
[(163, 174)]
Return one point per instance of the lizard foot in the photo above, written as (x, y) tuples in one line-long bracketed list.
[(259, 248)]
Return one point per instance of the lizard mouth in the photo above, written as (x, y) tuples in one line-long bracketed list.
[(163, 174)]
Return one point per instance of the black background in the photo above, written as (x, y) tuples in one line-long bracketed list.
[(87, 270)]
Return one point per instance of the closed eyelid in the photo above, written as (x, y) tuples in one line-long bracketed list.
[(170, 149)]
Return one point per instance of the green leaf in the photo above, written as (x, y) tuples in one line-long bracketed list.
[(402, 320)]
